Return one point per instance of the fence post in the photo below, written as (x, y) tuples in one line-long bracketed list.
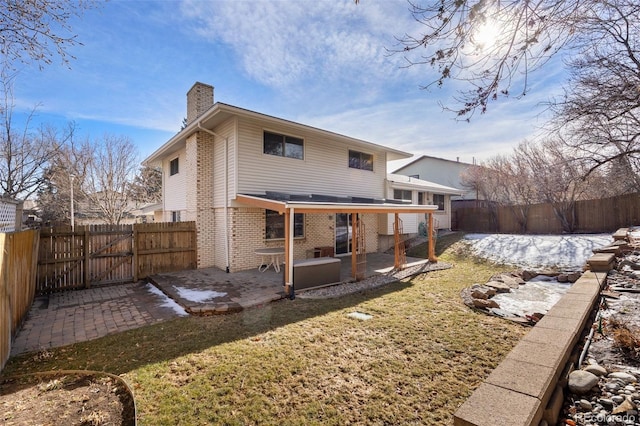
[(87, 257), (134, 261)]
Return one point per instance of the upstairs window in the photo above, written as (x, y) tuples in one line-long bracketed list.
[(360, 160), (283, 146), (173, 167), (275, 225)]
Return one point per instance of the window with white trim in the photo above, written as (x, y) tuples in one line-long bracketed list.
[(274, 225), (173, 167), (402, 194)]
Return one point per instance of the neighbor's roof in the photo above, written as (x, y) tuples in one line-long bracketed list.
[(429, 157), (406, 182), (220, 112)]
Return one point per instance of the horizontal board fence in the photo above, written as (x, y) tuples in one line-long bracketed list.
[(591, 216), (98, 255), (18, 254)]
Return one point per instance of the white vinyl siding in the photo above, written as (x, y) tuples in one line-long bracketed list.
[(324, 169), (175, 194), (225, 130)]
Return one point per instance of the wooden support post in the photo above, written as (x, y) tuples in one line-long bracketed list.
[(396, 238), (432, 249), (354, 245), (288, 259)]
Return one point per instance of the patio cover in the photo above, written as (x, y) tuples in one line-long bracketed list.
[(289, 204)]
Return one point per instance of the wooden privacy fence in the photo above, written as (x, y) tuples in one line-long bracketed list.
[(96, 255), (18, 254), (603, 215)]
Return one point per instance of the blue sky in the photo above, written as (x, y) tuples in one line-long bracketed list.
[(321, 63)]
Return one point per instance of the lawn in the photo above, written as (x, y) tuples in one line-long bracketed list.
[(305, 361)]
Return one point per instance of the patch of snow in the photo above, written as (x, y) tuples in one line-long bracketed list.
[(537, 295), (198, 296), (360, 315), (167, 302), (565, 252)]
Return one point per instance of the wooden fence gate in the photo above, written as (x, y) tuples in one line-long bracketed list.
[(97, 255)]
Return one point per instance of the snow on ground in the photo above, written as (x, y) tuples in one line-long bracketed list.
[(536, 252), (564, 252), (537, 295), (167, 302), (198, 296)]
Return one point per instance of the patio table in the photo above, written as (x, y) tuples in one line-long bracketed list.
[(274, 254)]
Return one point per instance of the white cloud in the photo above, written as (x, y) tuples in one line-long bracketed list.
[(308, 46)]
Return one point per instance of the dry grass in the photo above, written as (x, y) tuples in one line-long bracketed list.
[(624, 338), (307, 362)]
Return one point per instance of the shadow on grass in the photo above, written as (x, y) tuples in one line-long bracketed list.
[(443, 242), (123, 352)]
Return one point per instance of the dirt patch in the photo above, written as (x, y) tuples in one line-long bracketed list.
[(71, 399)]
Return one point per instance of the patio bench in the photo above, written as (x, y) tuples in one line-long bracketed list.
[(315, 272)]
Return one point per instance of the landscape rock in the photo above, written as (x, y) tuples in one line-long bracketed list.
[(478, 294), (513, 281), (529, 275), (499, 287), (596, 369), (585, 405), (626, 377), (581, 382), (574, 276), (485, 304), (627, 405), (563, 278)]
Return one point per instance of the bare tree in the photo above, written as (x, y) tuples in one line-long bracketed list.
[(559, 178), (38, 30), (600, 113), (111, 168), (66, 169), (491, 46), (24, 152), (147, 185)]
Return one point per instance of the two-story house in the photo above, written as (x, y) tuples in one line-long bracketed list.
[(250, 181)]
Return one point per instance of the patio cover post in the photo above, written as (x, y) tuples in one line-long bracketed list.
[(288, 258), (432, 249), (396, 230), (354, 245), (289, 234)]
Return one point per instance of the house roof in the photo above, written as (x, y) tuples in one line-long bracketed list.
[(406, 182), (220, 112), (417, 160)]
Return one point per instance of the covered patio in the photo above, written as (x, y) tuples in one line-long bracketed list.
[(288, 205)]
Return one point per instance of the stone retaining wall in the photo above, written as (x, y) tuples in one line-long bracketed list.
[(527, 387)]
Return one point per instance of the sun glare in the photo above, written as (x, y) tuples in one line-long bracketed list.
[(485, 35)]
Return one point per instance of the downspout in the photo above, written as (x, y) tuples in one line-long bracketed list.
[(226, 193)]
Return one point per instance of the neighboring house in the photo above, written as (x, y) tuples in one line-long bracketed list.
[(251, 181), (148, 213), (421, 192), (440, 171)]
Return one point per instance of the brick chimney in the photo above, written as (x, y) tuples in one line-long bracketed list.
[(199, 100)]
